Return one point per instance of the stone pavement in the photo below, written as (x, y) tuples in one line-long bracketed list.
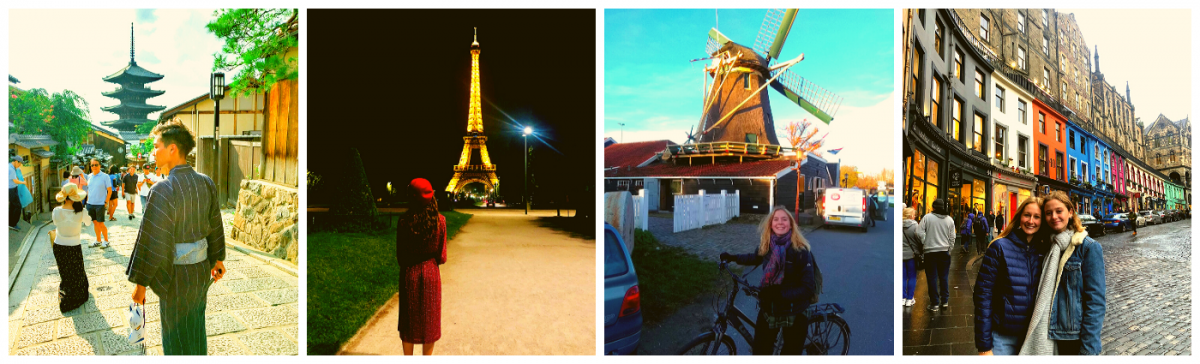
[(252, 311), (1148, 280)]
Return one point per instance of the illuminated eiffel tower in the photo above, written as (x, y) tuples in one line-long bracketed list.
[(468, 171)]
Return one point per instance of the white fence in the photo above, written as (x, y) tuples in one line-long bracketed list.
[(641, 219), (697, 211)]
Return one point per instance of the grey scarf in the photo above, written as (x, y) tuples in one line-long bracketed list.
[(1037, 340)]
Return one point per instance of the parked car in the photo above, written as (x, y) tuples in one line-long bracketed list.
[(1151, 217), (1118, 222), (1094, 227), (1147, 216), (622, 298), (843, 206)]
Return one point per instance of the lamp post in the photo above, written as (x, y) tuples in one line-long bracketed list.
[(216, 93), (525, 136)]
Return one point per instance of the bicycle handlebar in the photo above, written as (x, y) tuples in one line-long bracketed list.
[(746, 286)]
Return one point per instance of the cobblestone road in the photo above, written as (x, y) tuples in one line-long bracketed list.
[(252, 311), (1148, 281)]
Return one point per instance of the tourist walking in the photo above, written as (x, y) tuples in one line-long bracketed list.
[(936, 230), (129, 189), (146, 179), (78, 178), (420, 249), (1007, 283), (1068, 313), (982, 231), (112, 198), (180, 249), (69, 219), (966, 229), (913, 253), (99, 189), (788, 283), (1133, 217)]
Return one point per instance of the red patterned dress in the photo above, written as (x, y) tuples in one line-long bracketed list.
[(420, 283)]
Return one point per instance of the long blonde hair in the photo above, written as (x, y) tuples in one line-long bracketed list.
[(764, 228), (1014, 224), (1061, 196)]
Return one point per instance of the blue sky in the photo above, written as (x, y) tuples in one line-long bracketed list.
[(651, 87)]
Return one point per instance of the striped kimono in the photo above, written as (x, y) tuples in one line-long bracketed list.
[(180, 240)]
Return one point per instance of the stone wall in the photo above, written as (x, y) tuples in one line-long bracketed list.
[(266, 219)]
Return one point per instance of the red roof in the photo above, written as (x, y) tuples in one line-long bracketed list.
[(768, 168), (632, 154)]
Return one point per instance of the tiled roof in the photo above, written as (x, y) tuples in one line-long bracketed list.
[(133, 137), (625, 155), (31, 140), (42, 153), (768, 168)]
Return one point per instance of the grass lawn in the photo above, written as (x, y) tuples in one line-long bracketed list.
[(351, 275), (669, 277)]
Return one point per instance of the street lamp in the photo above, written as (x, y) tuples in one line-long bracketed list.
[(216, 92), (525, 136)]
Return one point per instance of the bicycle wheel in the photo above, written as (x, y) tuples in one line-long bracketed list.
[(704, 345), (828, 335)]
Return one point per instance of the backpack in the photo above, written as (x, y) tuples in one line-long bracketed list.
[(816, 278), (978, 224)]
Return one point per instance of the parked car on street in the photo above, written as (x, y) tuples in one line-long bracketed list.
[(1152, 218), (1117, 222), (843, 206), (1094, 227), (622, 298)]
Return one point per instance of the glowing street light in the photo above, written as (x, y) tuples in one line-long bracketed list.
[(525, 136)]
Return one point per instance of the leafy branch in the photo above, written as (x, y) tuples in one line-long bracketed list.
[(256, 42)]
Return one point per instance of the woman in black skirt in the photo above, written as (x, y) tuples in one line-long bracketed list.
[(69, 219)]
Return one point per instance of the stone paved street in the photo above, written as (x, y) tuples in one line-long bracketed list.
[(252, 311), (1149, 298)]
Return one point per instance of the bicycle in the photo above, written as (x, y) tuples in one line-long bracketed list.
[(828, 333)]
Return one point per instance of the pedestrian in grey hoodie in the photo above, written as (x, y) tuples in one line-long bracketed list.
[(936, 230), (913, 253)]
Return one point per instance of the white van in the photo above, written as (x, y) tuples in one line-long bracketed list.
[(843, 206)]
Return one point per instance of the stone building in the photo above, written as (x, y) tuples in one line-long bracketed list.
[(1114, 113), (1169, 149)]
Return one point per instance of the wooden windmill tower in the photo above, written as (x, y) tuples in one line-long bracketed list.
[(737, 117), (468, 171)]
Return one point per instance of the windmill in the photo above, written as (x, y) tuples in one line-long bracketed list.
[(735, 109)]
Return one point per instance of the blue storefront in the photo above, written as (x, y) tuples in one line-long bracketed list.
[(1079, 167)]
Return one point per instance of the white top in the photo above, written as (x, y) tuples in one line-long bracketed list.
[(144, 190), (69, 223)]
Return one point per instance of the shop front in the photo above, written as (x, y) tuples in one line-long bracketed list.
[(1009, 189), (925, 167), (968, 185), (1047, 185)]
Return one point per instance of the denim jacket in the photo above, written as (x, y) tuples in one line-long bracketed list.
[(1079, 302)]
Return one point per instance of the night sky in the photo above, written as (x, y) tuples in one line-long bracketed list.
[(395, 84)]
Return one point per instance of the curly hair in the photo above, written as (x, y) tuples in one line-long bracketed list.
[(421, 219)]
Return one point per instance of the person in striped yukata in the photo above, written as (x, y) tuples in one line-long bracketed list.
[(180, 245)]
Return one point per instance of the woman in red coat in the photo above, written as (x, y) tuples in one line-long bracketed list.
[(420, 249)]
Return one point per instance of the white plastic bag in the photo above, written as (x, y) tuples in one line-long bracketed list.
[(137, 324)]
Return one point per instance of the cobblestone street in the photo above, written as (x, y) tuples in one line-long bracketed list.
[(252, 311), (1148, 281)]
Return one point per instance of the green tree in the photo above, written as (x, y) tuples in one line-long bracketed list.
[(146, 127), (62, 115), (256, 43)]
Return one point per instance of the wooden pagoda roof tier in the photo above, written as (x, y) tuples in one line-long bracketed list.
[(133, 107), (121, 92), (120, 124), (133, 74)]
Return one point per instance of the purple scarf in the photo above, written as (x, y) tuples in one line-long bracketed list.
[(773, 270)]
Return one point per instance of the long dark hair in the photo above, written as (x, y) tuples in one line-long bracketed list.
[(421, 219)]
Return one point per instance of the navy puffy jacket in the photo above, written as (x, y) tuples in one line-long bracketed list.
[(1005, 289)]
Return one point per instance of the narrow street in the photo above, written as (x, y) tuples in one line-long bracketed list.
[(509, 287), (1148, 281), (252, 311)]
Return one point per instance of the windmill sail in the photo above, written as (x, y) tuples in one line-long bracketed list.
[(812, 98), (774, 31)]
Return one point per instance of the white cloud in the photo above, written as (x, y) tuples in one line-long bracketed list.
[(75, 49)]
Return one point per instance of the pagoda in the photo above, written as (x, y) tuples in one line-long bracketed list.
[(468, 171), (132, 93)]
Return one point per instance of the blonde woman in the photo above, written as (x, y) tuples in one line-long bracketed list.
[(787, 283), (1007, 283), (1071, 302)]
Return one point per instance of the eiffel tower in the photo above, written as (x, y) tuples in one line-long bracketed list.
[(467, 171)]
